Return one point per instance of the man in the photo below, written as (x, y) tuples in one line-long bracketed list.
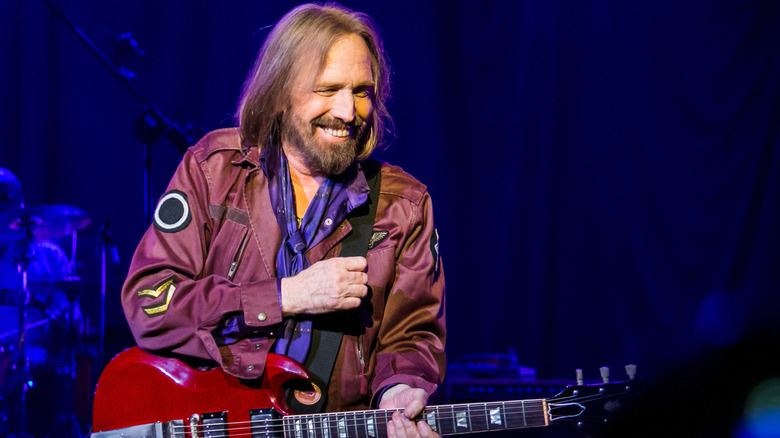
[(233, 269)]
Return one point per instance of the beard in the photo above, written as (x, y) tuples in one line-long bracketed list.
[(321, 157)]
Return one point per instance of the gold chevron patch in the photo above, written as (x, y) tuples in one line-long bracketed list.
[(166, 287)]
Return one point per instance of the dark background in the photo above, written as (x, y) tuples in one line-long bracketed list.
[(604, 173)]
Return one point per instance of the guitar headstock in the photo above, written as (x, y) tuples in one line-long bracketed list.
[(593, 405)]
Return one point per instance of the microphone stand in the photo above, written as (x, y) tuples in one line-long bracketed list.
[(101, 348), (151, 125), (106, 246), (22, 365)]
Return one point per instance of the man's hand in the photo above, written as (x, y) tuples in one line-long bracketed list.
[(333, 284), (412, 401)]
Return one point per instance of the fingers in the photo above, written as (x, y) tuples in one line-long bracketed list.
[(414, 407), (342, 270), (358, 291), (412, 401), (401, 427), (425, 430), (346, 303), (359, 278), (348, 275), (339, 283), (391, 428), (355, 263)]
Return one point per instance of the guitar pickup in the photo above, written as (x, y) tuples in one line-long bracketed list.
[(266, 423), (210, 425)]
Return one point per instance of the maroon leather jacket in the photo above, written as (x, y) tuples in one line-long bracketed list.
[(184, 280)]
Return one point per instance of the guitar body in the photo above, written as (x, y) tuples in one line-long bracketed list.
[(138, 387)]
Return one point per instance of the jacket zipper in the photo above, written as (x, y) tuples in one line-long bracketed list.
[(360, 352), (237, 256), (363, 380)]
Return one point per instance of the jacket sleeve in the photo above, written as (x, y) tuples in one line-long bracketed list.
[(173, 305), (410, 346)]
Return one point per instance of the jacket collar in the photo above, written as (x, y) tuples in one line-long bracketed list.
[(252, 158)]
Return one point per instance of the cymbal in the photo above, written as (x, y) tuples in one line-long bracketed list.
[(10, 188), (42, 222)]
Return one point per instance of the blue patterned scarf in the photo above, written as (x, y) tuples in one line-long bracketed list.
[(291, 258)]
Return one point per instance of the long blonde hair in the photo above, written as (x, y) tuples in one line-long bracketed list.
[(301, 38)]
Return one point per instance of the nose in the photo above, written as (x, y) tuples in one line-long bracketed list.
[(343, 107)]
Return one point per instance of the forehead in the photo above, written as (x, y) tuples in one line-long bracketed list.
[(348, 61)]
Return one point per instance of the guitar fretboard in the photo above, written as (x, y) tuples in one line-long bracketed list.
[(445, 419)]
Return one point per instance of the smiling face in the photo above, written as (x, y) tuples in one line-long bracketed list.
[(326, 122)]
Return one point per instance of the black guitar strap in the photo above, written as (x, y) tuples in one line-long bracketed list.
[(325, 342)]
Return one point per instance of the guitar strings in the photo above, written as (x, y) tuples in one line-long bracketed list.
[(444, 414), (332, 429), (351, 420)]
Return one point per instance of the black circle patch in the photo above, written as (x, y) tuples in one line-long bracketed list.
[(173, 212)]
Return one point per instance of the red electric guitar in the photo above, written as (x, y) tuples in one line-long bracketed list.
[(143, 395)]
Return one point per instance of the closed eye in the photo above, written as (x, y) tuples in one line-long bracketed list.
[(326, 91), (362, 92)]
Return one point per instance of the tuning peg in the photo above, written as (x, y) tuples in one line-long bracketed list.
[(580, 380), (631, 371), (604, 374)]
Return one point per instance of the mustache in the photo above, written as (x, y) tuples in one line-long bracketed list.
[(330, 122)]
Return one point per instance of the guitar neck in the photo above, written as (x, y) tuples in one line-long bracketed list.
[(444, 419)]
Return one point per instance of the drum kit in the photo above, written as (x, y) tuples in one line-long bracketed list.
[(40, 317)]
